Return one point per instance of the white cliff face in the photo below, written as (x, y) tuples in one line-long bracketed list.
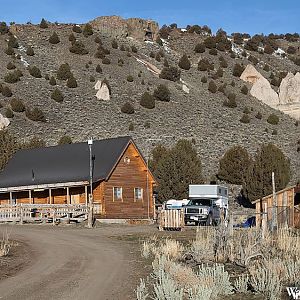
[(103, 91), (250, 74), (289, 90), (4, 122), (263, 91)]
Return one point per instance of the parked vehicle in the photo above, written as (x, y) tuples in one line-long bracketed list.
[(175, 204), (206, 204)]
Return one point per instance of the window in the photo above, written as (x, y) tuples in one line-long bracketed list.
[(117, 193), (138, 194)]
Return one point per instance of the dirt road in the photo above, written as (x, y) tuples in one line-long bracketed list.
[(71, 263)]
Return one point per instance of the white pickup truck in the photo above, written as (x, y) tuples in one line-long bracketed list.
[(205, 204)]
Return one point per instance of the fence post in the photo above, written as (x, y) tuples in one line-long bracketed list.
[(21, 214)]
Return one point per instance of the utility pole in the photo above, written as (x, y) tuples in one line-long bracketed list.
[(274, 204), (90, 203)]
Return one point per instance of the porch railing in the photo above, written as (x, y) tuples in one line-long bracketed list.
[(42, 212)]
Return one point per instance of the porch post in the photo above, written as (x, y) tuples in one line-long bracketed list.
[(68, 196), (86, 194), (10, 198), (50, 196), (30, 197)]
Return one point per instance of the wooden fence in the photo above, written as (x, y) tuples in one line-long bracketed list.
[(171, 219), (42, 212)]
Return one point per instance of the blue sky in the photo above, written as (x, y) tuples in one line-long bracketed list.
[(252, 16)]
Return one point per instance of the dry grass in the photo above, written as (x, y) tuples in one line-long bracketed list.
[(5, 245), (269, 262)]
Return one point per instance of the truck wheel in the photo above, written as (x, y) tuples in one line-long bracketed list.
[(209, 221)]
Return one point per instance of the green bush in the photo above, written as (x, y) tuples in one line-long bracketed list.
[(131, 127), (76, 28), (52, 81), (199, 48), (130, 78), (98, 40), (244, 90), (72, 83), (253, 59), (234, 165), (92, 78), (231, 102), (54, 39), (246, 110), (12, 77), (12, 42), (273, 119), (134, 49), (245, 118), (35, 72), (6, 92), (268, 49), (291, 50), (184, 62), (258, 116), (121, 63), (78, 48), (29, 51), (87, 30), (9, 113), (162, 93), (17, 105), (238, 70), (106, 61), (127, 108), (213, 51), (147, 101), (64, 72), (114, 44), (3, 28), (43, 24), (147, 125), (9, 51), (57, 95), (65, 140), (210, 42), (204, 79), (152, 54), (170, 73), (212, 87), (10, 66), (72, 38), (35, 114), (98, 69), (205, 65)]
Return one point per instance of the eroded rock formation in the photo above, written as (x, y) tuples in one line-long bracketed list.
[(250, 74), (289, 90), (103, 90), (4, 122), (137, 28)]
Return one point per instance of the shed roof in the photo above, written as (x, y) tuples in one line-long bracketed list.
[(63, 163), (277, 193)]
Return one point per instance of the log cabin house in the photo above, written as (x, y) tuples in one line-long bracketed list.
[(122, 183), (287, 208)]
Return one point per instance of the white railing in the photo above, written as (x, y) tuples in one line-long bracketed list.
[(43, 212)]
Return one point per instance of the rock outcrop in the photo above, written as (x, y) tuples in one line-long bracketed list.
[(117, 27), (250, 74), (289, 90), (4, 122), (103, 90), (263, 91), (261, 88)]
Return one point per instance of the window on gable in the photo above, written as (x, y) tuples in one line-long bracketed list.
[(117, 193), (138, 193)]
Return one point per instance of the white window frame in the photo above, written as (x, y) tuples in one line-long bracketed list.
[(134, 192), (121, 196)]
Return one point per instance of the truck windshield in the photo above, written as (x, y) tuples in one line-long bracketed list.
[(200, 202)]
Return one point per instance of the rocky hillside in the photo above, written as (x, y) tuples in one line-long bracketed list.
[(209, 104)]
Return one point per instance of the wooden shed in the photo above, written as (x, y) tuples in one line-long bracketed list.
[(122, 183), (286, 208)]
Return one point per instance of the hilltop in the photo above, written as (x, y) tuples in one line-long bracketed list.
[(208, 103)]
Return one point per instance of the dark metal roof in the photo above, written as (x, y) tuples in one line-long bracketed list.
[(63, 163)]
